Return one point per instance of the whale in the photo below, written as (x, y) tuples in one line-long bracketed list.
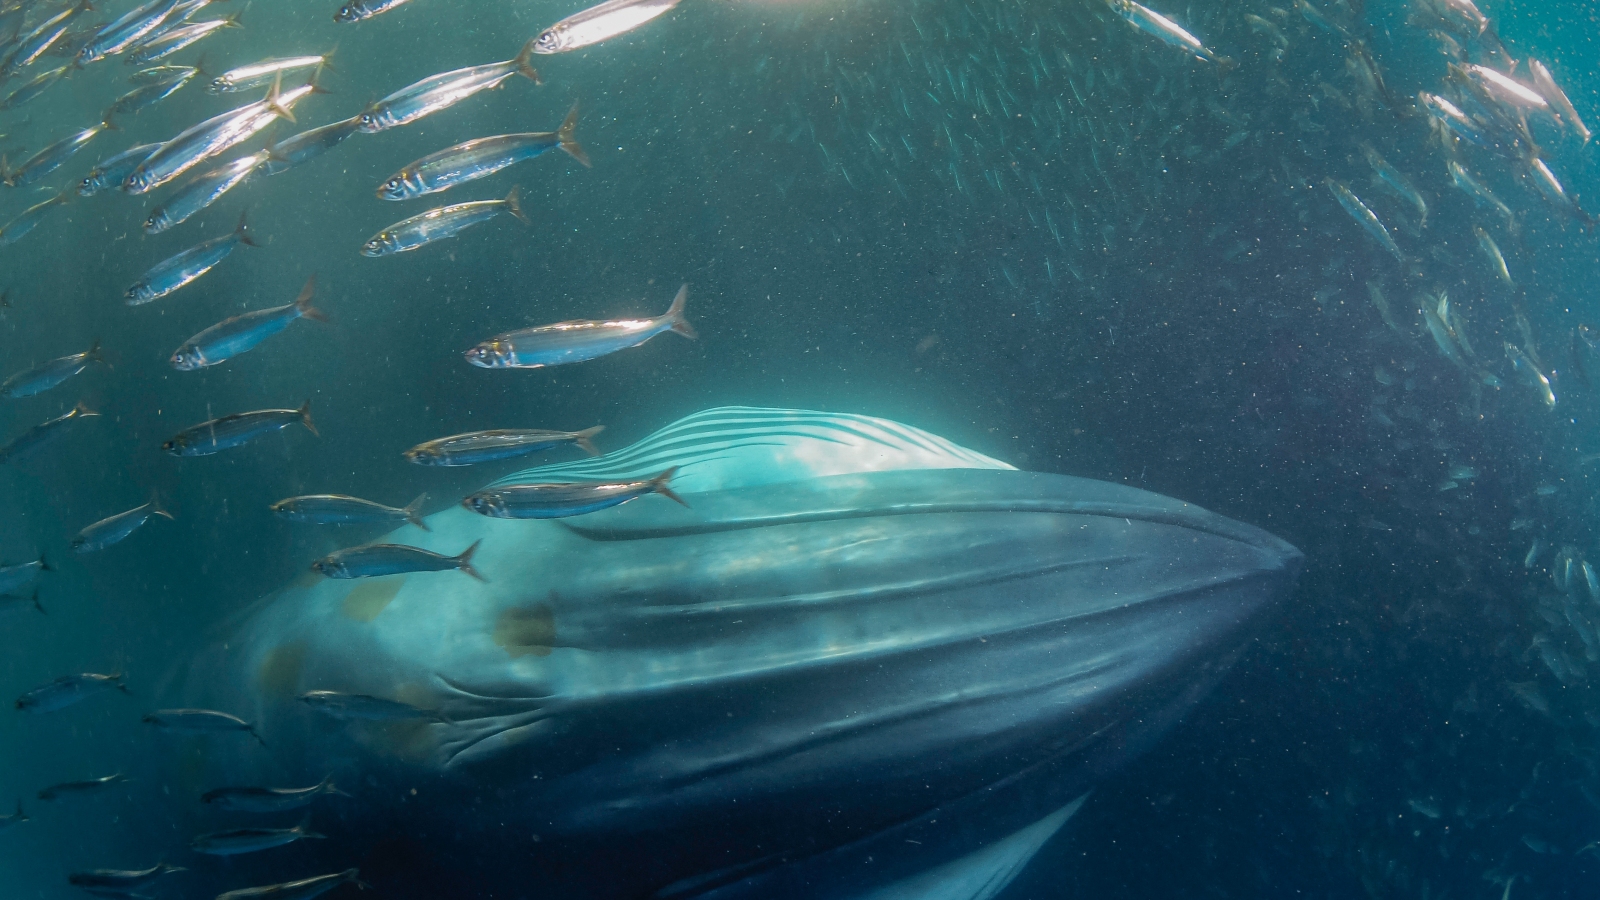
[(857, 662)]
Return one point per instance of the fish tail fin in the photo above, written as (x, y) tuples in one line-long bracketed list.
[(584, 439), (155, 507), (524, 62), (658, 485), (675, 315), (233, 20), (275, 96), (413, 511), (302, 303), (200, 67), (257, 735), (36, 604), (328, 787), (564, 134), (107, 124), (354, 877), (513, 204), (464, 561), (83, 409), (242, 230), (167, 868), (305, 418), (20, 816), (44, 566), (327, 59)]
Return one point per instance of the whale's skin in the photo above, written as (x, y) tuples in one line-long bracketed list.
[(856, 642)]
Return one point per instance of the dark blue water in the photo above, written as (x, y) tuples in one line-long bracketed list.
[(1030, 229)]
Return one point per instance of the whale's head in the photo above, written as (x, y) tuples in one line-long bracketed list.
[(851, 625)]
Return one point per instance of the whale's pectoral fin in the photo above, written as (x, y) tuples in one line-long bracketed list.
[(980, 874)]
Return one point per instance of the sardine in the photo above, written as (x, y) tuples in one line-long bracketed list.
[(1480, 194), (12, 578), (439, 224), (600, 23), (47, 375), (444, 90), (393, 559), (558, 500), (239, 334), (1396, 181), (50, 158), (1364, 217), (198, 143), (29, 219), (144, 97), (254, 75), (249, 840), (268, 800), (479, 158), (110, 172), (87, 786), (113, 529), (125, 31), (153, 49), (303, 889), (236, 430), (362, 707), (576, 341), (1450, 117), (1505, 88), (177, 271), (308, 145), (1530, 373), (120, 883), (41, 435), (202, 191), (492, 446), (34, 87), (67, 690), (42, 38), (1442, 337), (200, 721), (338, 509), (356, 10), (1153, 23), (1546, 85), (162, 74), (1497, 260), (1379, 302)]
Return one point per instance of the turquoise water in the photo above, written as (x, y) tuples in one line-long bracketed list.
[(1032, 230)]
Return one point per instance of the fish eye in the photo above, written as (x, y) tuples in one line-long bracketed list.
[(395, 184), (547, 39)]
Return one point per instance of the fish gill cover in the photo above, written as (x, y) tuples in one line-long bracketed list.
[(1321, 267)]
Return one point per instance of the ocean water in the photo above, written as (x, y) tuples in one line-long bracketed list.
[(1031, 229)]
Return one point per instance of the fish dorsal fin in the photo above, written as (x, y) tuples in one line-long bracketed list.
[(742, 446)]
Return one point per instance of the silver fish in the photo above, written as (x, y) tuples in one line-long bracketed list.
[(338, 509), (249, 840), (29, 219), (67, 690), (1505, 88), (34, 87), (1396, 181), (152, 49), (393, 559), (146, 96), (443, 91), (1480, 194), (558, 500), (303, 889), (236, 430), (1155, 24), (356, 10), (202, 191), (242, 333), (51, 158), (599, 23), (113, 170), (177, 271), (439, 224), (1530, 372), (113, 529), (47, 375), (308, 145), (1545, 83), (479, 158), (162, 74), (257, 74), (576, 341), (492, 446), (200, 721), (119, 883), (200, 142), (14, 577), (126, 31), (1497, 259), (349, 707), (43, 37), (268, 800), (82, 787), (41, 435), (1364, 217)]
